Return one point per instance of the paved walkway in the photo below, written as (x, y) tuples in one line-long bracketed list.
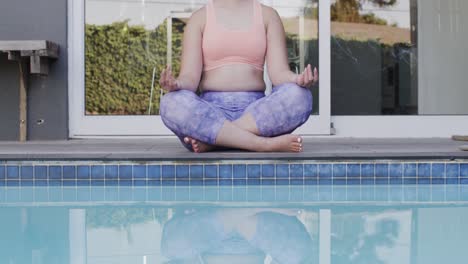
[(170, 149)]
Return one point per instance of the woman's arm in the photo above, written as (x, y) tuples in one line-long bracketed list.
[(277, 57), (192, 60)]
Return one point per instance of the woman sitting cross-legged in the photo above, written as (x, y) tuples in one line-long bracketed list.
[(224, 49)]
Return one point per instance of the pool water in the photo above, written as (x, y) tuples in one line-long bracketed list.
[(333, 231)]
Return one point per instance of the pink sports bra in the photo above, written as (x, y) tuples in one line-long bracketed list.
[(222, 46)]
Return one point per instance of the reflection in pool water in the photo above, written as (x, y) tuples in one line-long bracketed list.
[(192, 233)]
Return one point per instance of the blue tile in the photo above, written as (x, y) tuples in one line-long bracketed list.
[(268, 182), (69, 172), (69, 182), (12, 183), (97, 172), (112, 182), (196, 182), (2, 172), (112, 172), (296, 171), (451, 181), (339, 181), (225, 182), (381, 170), (353, 181), (325, 193), (239, 171), (367, 170), (409, 170), (396, 170), (196, 171), (12, 172), (139, 171), (282, 182), (2, 182), (253, 171), (325, 171), (210, 182), (409, 180), (26, 172), (353, 171), (464, 170), (268, 170), (339, 193), (255, 182), (296, 181), (139, 183), (367, 181), (239, 182), (168, 183), (464, 181), (452, 170), (310, 171), (339, 171), (139, 194), (438, 181), (211, 171), (325, 182), (225, 171), (154, 182), (185, 182), (55, 172), (182, 171), (424, 180), (310, 181), (98, 194), (424, 170), (396, 181), (168, 171), (82, 182), (296, 194), (154, 172), (27, 183), (282, 171), (40, 183), (55, 182), (83, 172), (40, 172), (125, 172), (381, 181), (438, 170), (311, 193)]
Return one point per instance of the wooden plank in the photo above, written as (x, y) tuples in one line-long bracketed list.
[(23, 103), (39, 65), (7, 45)]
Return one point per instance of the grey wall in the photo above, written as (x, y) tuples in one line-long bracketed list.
[(47, 98)]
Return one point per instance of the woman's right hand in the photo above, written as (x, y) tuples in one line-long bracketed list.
[(167, 80)]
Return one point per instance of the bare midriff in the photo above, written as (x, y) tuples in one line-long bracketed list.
[(233, 78)]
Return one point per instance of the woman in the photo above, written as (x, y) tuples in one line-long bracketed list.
[(225, 46)]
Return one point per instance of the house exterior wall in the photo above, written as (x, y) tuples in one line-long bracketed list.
[(47, 96)]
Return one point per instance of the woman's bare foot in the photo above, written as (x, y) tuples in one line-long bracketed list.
[(198, 146), (284, 143)]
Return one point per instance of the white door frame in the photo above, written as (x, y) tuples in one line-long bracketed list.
[(111, 126)]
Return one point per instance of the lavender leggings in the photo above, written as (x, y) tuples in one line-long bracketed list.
[(186, 114)]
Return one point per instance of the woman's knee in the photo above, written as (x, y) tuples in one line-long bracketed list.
[(299, 99), (175, 104)]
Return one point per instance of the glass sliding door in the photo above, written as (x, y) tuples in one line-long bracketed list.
[(119, 47)]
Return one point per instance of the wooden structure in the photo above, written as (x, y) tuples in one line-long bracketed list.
[(39, 53)]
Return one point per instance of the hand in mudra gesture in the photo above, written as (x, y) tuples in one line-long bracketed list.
[(307, 78), (167, 80)]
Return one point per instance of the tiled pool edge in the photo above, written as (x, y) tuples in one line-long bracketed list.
[(233, 173)]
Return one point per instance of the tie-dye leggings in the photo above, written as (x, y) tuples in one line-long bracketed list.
[(201, 117)]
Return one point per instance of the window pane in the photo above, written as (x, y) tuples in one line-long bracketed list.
[(374, 63)]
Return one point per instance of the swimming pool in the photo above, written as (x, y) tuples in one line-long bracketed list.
[(246, 224)]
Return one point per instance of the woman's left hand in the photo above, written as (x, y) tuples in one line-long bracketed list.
[(307, 78)]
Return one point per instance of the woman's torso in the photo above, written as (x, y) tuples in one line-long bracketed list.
[(238, 23)]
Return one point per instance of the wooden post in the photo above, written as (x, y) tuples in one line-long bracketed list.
[(23, 103)]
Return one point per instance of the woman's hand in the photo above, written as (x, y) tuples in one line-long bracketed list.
[(167, 80), (307, 78)]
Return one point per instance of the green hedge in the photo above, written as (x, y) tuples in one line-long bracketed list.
[(119, 65)]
